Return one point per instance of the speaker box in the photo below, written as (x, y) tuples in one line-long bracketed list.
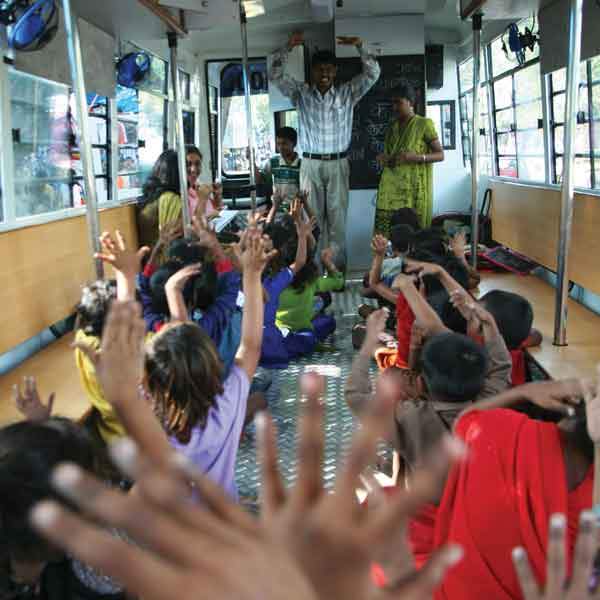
[(434, 63)]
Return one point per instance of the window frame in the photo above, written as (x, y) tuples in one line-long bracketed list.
[(513, 107), (554, 124), (215, 135)]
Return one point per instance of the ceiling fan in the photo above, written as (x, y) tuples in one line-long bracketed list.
[(202, 14)]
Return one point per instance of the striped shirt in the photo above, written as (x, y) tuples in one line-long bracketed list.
[(325, 121)]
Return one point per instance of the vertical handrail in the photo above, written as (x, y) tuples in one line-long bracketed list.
[(567, 191), (249, 123), (179, 133), (85, 148), (475, 140)]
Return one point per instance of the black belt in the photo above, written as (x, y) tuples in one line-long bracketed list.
[(334, 156)]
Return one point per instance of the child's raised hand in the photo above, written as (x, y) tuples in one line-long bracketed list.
[(402, 281), (305, 228), (255, 256), (115, 253), (376, 326), (202, 230), (28, 402), (423, 268), (592, 406), (217, 196), (178, 280), (379, 245), (577, 585), (458, 244), (173, 230), (327, 256)]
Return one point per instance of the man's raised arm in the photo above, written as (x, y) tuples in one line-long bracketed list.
[(288, 86)]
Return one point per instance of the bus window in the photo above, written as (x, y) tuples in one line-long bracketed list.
[(41, 125), (98, 129), (141, 130), (234, 142)]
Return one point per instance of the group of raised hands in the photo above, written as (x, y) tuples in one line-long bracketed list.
[(306, 544)]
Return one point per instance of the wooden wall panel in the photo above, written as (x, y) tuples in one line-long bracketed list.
[(43, 268), (526, 219)]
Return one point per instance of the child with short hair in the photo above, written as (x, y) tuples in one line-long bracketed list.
[(282, 171), (452, 371), (514, 315)]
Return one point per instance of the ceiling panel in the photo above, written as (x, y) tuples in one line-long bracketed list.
[(359, 8)]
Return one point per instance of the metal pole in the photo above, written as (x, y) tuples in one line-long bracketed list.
[(81, 116), (179, 135), (249, 125), (566, 211), (475, 140)]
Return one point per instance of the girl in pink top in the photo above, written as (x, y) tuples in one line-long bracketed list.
[(204, 200)]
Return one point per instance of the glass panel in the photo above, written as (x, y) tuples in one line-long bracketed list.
[(465, 73), (595, 69), (582, 171), (185, 85), (528, 85), (151, 130), (128, 115), (507, 167), (504, 119), (506, 144), (596, 138), (42, 129), (530, 142), (559, 105), (102, 192), (39, 196), (156, 80), (485, 164), (503, 92), (99, 158), (596, 101), (235, 137), (582, 139), (529, 114), (189, 124), (500, 62), (559, 78), (531, 168)]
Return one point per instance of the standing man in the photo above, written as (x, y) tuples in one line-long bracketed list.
[(325, 122)]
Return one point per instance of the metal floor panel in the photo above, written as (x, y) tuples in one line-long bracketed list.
[(339, 423)]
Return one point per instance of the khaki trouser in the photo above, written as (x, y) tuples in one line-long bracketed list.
[(327, 183)]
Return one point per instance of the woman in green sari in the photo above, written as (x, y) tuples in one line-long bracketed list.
[(411, 146)]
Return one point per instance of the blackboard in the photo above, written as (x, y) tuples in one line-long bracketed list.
[(373, 114)]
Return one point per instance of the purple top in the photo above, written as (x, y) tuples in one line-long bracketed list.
[(273, 353), (213, 449)]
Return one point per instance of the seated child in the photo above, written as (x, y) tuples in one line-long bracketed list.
[(514, 316), (454, 371), (91, 312), (197, 282), (435, 292), (31, 567), (303, 327), (202, 413), (282, 171)]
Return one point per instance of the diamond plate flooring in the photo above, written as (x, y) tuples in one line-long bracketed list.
[(339, 423)]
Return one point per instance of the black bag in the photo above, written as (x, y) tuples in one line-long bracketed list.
[(485, 222)]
